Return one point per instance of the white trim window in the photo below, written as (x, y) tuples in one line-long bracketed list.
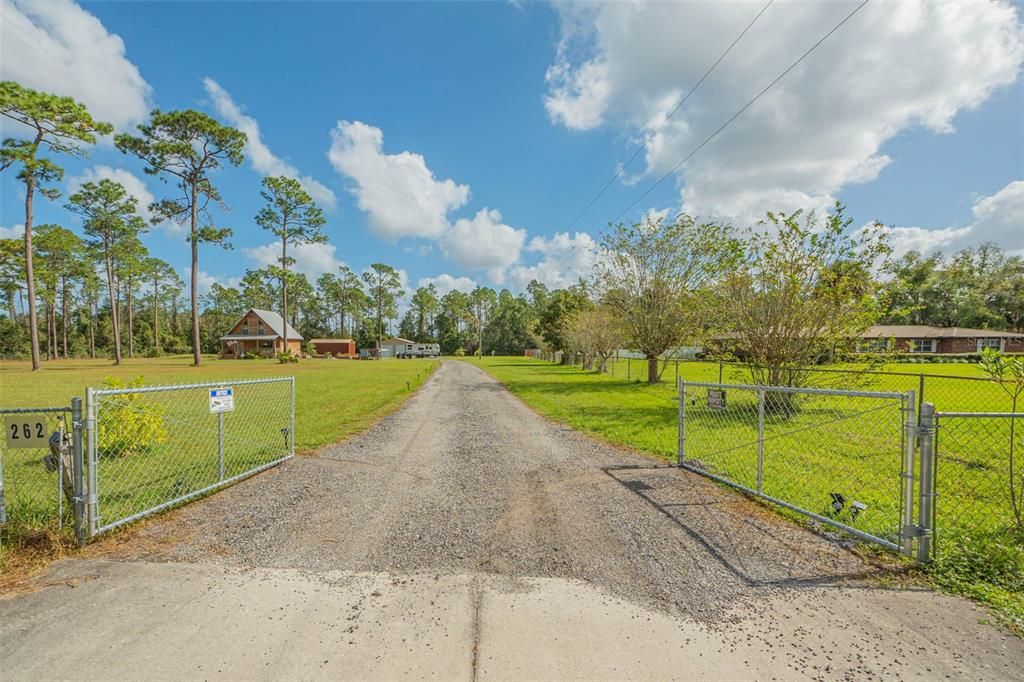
[(989, 342), (922, 345)]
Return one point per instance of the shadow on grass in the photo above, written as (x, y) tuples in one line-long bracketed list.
[(759, 551)]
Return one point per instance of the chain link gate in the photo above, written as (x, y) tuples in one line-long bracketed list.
[(842, 458), (153, 447), (41, 484), (977, 498)]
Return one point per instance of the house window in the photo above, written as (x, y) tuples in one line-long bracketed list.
[(995, 343), (245, 327), (262, 330), (873, 345), (922, 345)]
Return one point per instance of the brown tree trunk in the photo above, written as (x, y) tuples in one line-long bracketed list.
[(131, 322), (284, 290), (64, 316), (53, 328), (156, 315), (33, 323), (114, 304), (92, 329), (653, 375), (196, 358), (47, 310)]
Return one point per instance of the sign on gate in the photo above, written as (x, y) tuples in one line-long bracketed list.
[(26, 431), (716, 398), (221, 400)]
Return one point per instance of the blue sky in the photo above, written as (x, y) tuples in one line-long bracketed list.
[(467, 136)]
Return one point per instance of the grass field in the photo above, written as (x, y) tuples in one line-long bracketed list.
[(825, 445), (155, 447)]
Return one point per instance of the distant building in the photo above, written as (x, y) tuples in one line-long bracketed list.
[(913, 338), (339, 348), (395, 347), (260, 332)]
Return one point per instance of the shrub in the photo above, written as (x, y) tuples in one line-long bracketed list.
[(128, 424), (287, 357), (459, 352)]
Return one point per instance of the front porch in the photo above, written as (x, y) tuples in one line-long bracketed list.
[(264, 346)]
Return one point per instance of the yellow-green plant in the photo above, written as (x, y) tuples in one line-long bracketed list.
[(128, 423)]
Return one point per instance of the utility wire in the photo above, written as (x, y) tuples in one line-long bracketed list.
[(726, 124), (744, 108), (670, 114)]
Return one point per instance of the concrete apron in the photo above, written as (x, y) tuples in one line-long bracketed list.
[(137, 620)]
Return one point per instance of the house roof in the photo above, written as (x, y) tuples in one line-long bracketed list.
[(920, 331), (396, 339), (249, 337), (272, 320), (332, 341)]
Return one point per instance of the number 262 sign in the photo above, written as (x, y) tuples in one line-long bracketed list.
[(25, 431)]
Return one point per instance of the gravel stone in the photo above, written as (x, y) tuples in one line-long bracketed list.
[(465, 478)]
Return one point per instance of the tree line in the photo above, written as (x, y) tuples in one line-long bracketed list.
[(788, 291)]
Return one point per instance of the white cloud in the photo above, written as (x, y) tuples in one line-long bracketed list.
[(564, 260), (256, 150), (13, 232), (56, 46), (445, 283), (892, 67), (311, 260), (399, 193), (998, 218), (484, 243), (133, 184), (206, 280)]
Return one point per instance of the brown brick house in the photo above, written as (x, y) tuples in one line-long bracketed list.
[(261, 332), (913, 338)]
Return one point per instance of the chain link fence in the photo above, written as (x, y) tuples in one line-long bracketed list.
[(839, 457), (157, 446), (947, 392), (979, 482), (36, 471)]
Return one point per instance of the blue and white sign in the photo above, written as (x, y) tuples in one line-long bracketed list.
[(221, 400)]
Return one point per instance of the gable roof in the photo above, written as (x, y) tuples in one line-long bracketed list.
[(396, 340), (921, 331), (272, 320), (276, 324)]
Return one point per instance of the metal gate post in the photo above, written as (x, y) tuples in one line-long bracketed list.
[(760, 441), (926, 484), (681, 444), (292, 425), (908, 530), (3, 503), (78, 469), (220, 446), (92, 510)]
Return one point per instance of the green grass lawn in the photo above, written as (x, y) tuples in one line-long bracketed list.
[(155, 447), (829, 444)]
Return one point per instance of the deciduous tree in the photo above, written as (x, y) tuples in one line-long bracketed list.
[(801, 291), (656, 276)]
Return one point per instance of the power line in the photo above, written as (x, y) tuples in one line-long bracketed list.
[(726, 124), (670, 114), (744, 108)]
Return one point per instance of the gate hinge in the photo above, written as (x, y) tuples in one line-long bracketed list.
[(916, 531)]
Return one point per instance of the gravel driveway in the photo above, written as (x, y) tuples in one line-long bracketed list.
[(465, 480)]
